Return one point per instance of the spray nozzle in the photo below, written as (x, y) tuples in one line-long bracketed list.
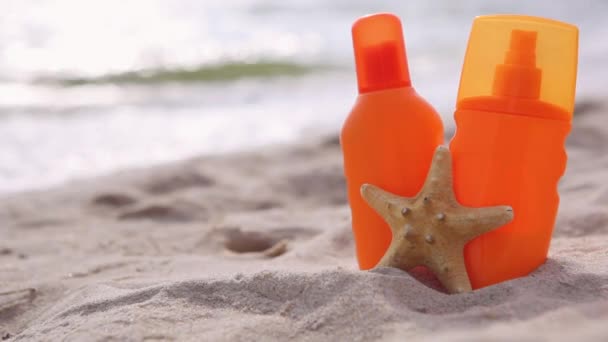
[(518, 76)]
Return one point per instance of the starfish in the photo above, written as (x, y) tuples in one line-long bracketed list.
[(432, 228)]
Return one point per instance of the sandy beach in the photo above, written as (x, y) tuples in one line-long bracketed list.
[(258, 246)]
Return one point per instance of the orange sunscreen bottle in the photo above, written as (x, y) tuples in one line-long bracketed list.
[(513, 113), (391, 133)]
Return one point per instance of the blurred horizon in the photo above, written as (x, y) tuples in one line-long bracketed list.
[(87, 88)]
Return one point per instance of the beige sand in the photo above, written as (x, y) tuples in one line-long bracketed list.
[(258, 247)]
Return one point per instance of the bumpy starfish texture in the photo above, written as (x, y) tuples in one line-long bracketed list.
[(432, 228)]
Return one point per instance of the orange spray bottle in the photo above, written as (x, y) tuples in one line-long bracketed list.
[(391, 133), (514, 112)]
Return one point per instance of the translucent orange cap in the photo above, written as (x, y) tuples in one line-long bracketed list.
[(521, 57), (380, 53)]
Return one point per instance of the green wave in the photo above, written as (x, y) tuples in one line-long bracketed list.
[(208, 73)]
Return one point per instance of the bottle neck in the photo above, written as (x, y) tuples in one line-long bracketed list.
[(389, 92), (382, 66)]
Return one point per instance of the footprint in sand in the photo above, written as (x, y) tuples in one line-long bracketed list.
[(157, 212), (114, 200), (251, 242), (15, 301), (175, 182), (270, 244)]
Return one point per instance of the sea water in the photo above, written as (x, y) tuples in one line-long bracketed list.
[(88, 87)]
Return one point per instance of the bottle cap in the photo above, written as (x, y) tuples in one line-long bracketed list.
[(380, 53), (521, 57)]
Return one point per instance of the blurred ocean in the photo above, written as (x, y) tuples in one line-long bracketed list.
[(87, 87)]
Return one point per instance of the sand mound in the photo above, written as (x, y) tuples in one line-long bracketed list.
[(258, 247)]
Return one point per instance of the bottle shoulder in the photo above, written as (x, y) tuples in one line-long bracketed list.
[(393, 106), (395, 100), (513, 106), (394, 113)]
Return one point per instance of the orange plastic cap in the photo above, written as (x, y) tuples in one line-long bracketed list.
[(521, 57), (380, 53)]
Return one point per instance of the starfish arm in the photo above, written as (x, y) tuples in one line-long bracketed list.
[(439, 182), (478, 221), (398, 255), (452, 272), (381, 201)]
